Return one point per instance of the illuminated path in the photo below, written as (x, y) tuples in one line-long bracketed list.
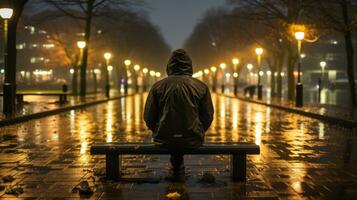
[(300, 157)]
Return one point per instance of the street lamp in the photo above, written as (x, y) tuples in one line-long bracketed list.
[(136, 69), (127, 64), (107, 57), (214, 77), (9, 82), (259, 52), (235, 62), (250, 67), (223, 67), (81, 45), (323, 66), (299, 87), (145, 71)]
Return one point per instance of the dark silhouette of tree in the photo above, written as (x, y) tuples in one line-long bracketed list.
[(340, 16), (86, 10)]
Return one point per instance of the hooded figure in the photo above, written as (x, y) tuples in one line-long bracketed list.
[(179, 108)]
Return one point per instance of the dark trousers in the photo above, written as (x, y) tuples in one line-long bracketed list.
[(176, 160)]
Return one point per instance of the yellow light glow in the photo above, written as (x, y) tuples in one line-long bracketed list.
[(152, 73), (213, 69), (235, 61), (110, 68), (223, 65), (323, 64), (136, 67), (206, 71), (299, 35), (228, 75), (259, 51), (71, 71), (6, 13), (127, 63), (249, 66), (235, 75), (107, 56), (158, 74), (81, 44), (145, 70), (261, 73)]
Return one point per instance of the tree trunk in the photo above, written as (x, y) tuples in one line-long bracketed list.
[(349, 52), (290, 73), (85, 50)]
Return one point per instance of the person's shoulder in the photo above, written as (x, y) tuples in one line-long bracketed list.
[(200, 83)]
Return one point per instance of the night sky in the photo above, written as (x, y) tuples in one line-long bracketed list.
[(177, 18)]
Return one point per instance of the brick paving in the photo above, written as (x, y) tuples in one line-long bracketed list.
[(301, 158)]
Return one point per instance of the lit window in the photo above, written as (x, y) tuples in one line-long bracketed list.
[(48, 46)]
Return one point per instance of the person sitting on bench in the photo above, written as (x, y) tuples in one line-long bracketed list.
[(179, 110)]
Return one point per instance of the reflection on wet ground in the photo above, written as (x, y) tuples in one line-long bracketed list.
[(300, 158)]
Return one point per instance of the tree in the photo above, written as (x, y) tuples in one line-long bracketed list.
[(340, 16), (285, 13), (85, 10)]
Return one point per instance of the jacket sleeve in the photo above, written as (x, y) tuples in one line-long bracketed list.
[(151, 111), (206, 110)]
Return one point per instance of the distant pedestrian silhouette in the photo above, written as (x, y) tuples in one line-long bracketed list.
[(179, 110)]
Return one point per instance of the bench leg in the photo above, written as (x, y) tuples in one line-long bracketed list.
[(239, 167), (113, 166)]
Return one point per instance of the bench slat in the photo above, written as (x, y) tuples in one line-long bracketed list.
[(150, 148)]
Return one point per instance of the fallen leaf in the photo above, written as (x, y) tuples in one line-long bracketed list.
[(173, 195)]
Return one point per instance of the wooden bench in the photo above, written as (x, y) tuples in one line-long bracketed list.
[(113, 152), (62, 96)]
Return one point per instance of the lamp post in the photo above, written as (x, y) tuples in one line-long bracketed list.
[(145, 71), (8, 87), (81, 45), (127, 64), (250, 67), (206, 75), (299, 87), (107, 57), (214, 77), (235, 62), (95, 72), (223, 67), (322, 65), (259, 52), (136, 69)]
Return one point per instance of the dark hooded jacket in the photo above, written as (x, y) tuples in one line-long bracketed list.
[(179, 108)]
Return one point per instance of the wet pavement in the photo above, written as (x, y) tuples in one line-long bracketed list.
[(301, 158)]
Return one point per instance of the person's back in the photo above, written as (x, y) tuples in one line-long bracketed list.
[(179, 108)]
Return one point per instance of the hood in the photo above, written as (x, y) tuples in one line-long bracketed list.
[(179, 64)]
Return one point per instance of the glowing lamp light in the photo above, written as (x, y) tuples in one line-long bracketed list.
[(81, 44), (6, 13), (235, 75), (228, 75), (96, 71), (249, 66), (71, 71), (259, 51), (127, 62), (110, 68), (206, 71), (213, 69), (296, 73), (152, 73), (145, 70), (282, 74), (223, 65), (261, 73), (136, 67), (235, 61), (299, 35), (275, 73), (107, 56), (268, 72), (323, 64), (158, 74)]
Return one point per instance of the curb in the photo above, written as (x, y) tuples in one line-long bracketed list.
[(329, 119), (20, 119)]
